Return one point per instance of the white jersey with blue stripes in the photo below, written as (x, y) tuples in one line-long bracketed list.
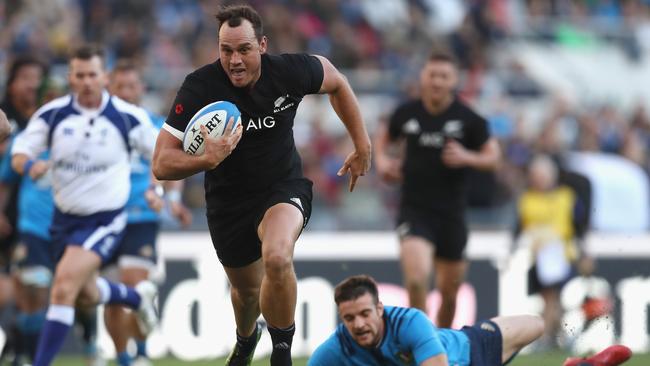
[(89, 150)]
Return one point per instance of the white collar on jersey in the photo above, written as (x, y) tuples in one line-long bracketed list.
[(91, 112)]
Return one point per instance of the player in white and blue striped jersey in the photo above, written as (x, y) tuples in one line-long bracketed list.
[(89, 135)]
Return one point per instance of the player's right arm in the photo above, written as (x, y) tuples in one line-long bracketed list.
[(169, 161)]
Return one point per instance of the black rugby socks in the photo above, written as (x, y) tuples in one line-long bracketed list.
[(282, 339), (246, 345)]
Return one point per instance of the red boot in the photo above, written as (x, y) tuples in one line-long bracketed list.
[(610, 356)]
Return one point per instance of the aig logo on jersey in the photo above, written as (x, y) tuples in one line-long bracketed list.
[(260, 123)]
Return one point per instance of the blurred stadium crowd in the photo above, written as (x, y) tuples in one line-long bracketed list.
[(380, 44)]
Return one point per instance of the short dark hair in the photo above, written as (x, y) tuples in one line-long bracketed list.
[(24, 61), (87, 51), (443, 56), (234, 14), (354, 287), (125, 65)]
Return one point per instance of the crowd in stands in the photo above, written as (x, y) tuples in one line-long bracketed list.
[(380, 45)]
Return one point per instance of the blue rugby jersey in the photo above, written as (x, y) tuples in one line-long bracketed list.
[(410, 338), (137, 208), (35, 203)]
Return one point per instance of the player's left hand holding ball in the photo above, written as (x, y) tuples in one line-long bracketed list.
[(217, 149), (358, 164)]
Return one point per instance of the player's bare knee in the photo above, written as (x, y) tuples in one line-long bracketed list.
[(63, 292), (277, 265), (86, 298), (247, 295), (417, 283)]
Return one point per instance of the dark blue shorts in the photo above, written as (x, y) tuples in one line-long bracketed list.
[(100, 232), (138, 245), (486, 343), (31, 251)]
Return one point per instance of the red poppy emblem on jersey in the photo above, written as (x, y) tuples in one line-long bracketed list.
[(179, 108)]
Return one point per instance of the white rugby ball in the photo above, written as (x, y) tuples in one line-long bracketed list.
[(214, 117)]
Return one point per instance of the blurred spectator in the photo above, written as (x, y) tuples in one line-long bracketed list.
[(380, 43), (546, 220)]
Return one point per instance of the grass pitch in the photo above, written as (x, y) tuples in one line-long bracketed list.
[(542, 359)]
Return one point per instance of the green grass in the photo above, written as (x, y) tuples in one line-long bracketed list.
[(546, 359)]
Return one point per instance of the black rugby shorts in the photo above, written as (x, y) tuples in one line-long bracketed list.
[(233, 228), (447, 232)]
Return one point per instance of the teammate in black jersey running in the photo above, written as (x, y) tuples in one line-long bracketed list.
[(443, 138), (258, 200)]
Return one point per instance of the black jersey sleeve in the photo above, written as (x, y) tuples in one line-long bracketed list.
[(396, 121), (188, 101), (479, 133), (304, 71)]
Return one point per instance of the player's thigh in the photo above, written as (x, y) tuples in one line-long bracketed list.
[(76, 267), (416, 257), (284, 215), (279, 229), (417, 240), (517, 332)]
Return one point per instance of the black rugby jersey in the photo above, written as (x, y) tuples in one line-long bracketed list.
[(428, 182), (266, 153)]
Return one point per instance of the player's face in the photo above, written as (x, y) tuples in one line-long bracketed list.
[(88, 79), (363, 319), (241, 53), (126, 85), (438, 80), (24, 88)]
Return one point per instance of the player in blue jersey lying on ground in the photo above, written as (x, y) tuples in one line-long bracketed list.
[(374, 334)]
